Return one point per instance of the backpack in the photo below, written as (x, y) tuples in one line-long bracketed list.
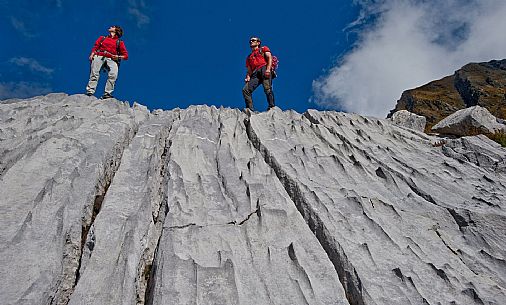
[(118, 51), (275, 63)]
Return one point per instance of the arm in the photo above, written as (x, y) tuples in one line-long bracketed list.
[(268, 68), (123, 51), (248, 75), (268, 56), (95, 47)]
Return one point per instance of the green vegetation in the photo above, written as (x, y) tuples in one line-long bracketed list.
[(499, 137)]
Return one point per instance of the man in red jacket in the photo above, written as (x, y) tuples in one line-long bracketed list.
[(107, 52), (259, 65)]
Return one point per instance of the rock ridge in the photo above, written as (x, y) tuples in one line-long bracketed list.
[(103, 203)]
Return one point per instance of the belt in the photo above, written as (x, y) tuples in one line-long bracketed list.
[(105, 52)]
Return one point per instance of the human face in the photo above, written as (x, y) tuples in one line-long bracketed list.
[(254, 42), (112, 29)]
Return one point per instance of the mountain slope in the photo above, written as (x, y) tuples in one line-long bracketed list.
[(107, 204), (482, 84)]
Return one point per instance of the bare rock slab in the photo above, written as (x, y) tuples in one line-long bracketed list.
[(394, 214), (469, 121), (120, 245), (479, 150), (232, 234), (59, 154), (407, 119), (103, 203)]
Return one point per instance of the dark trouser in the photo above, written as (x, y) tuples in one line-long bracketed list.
[(256, 78)]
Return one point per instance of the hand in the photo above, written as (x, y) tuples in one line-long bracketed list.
[(91, 57), (117, 57), (247, 78), (267, 74)]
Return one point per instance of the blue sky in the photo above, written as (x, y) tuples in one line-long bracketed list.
[(351, 55), (181, 52)]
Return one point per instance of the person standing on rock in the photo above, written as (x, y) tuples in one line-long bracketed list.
[(259, 66), (107, 52)]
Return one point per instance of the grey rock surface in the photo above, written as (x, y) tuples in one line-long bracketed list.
[(102, 203), (232, 234), (398, 218), (469, 121), (478, 150), (407, 119), (58, 154), (122, 240)]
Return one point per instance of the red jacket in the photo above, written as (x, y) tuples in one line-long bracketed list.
[(108, 47), (256, 60)]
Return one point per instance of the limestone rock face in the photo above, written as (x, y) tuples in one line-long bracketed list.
[(101, 203), (232, 234), (409, 120), (467, 121), (478, 150), (58, 155)]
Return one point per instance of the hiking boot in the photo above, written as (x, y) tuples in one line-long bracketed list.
[(105, 96), (89, 93)]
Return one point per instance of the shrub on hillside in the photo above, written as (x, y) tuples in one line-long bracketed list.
[(499, 137)]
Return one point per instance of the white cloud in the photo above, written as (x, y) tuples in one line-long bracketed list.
[(405, 44), (135, 10), (22, 89), (21, 27), (32, 64), (141, 18)]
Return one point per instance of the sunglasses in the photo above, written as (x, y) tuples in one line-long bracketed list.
[(253, 40)]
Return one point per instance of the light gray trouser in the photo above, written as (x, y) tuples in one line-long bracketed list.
[(96, 65)]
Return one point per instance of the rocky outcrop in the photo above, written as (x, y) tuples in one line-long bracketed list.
[(59, 155), (410, 120), (469, 121), (106, 204), (478, 150), (482, 84), (232, 233)]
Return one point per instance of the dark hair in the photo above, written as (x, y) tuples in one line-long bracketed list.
[(257, 38), (119, 30)]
